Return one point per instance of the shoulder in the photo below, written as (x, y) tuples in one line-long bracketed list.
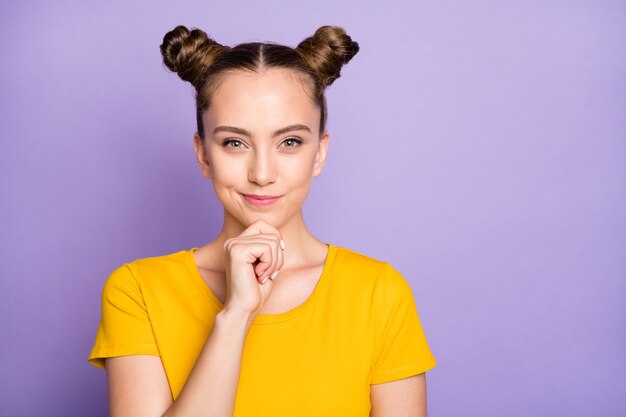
[(363, 267), (142, 270), (358, 257), (351, 262), (384, 278)]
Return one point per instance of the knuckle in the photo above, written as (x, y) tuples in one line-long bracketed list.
[(235, 249), (230, 244)]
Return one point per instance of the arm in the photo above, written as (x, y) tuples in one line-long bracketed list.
[(138, 386), (401, 398)]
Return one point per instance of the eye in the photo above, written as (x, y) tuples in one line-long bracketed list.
[(229, 141), (294, 141)]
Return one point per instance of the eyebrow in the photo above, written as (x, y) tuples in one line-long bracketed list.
[(240, 131)]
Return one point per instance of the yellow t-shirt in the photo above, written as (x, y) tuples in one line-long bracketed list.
[(360, 326)]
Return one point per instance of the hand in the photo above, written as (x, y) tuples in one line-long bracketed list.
[(248, 259)]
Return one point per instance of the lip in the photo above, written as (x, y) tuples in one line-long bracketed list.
[(261, 200)]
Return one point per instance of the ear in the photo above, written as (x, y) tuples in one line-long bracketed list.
[(198, 147), (322, 151)]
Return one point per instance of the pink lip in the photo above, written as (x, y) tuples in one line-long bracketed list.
[(261, 200)]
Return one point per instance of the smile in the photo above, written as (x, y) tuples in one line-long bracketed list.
[(260, 201)]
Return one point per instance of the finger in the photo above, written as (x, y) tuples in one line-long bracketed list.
[(263, 267), (281, 261), (263, 228), (267, 271), (252, 251), (278, 250)]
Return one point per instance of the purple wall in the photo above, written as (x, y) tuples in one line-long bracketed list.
[(480, 149)]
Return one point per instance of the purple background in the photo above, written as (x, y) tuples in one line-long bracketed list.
[(478, 148)]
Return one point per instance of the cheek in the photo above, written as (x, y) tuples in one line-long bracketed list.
[(302, 177), (300, 169), (298, 177), (225, 171)]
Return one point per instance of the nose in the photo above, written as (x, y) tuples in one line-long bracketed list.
[(262, 170)]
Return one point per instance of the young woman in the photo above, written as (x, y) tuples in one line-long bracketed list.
[(266, 319)]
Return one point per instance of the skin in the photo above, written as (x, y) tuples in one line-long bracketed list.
[(263, 165), (260, 103)]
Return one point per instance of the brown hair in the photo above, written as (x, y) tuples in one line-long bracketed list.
[(203, 62)]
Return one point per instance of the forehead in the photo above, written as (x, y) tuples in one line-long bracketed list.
[(275, 96)]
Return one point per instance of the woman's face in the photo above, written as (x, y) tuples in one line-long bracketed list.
[(262, 138)]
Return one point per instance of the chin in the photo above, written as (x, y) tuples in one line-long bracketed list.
[(247, 218)]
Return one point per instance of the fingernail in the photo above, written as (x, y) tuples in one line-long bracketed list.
[(282, 244), (274, 275), (264, 279)]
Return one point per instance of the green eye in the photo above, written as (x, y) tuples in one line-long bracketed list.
[(229, 141), (295, 141)]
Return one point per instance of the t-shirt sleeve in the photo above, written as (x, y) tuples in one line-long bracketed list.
[(124, 327), (401, 349)]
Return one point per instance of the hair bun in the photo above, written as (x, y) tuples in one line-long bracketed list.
[(329, 49), (189, 53)]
